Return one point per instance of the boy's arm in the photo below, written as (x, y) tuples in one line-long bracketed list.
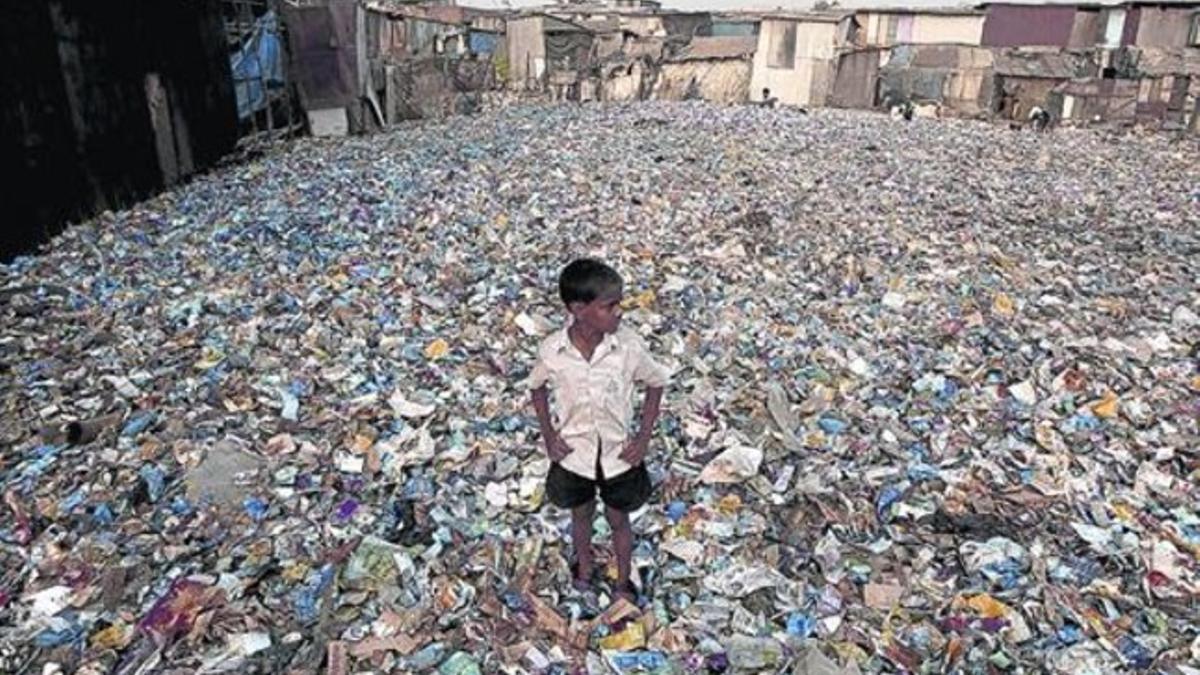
[(649, 372), (635, 450), (556, 449), (650, 411)]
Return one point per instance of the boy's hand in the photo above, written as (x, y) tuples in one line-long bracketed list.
[(556, 448), (635, 449)]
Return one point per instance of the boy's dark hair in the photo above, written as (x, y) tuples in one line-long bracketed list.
[(586, 279)]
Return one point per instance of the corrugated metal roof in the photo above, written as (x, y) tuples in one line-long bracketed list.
[(1043, 3), (644, 46), (439, 13), (1165, 3), (605, 25), (725, 47), (553, 24), (928, 11), (804, 17), (601, 8), (737, 17)]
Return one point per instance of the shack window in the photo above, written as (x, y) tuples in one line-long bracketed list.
[(1194, 37), (782, 52)]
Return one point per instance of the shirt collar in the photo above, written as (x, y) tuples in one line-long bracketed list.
[(562, 340)]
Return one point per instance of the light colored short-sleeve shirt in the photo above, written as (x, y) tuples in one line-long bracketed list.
[(591, 402)]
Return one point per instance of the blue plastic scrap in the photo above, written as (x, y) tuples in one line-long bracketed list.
[(258, 66)]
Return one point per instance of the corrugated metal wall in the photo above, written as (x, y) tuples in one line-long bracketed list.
[(325, 53), (1024, 25), (857, 80)]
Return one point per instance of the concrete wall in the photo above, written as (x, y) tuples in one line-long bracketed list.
[(1028, 25), (526, 51), (719, 81), (1163, 26), (810, 76)]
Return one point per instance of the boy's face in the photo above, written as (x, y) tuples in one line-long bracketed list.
[(602, 314)]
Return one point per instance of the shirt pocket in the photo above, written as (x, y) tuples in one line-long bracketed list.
[(616, 392)]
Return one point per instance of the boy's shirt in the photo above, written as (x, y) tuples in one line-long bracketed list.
[(591, 403)]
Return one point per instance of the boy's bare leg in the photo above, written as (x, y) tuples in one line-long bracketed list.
[(622, 534), (581, 537)]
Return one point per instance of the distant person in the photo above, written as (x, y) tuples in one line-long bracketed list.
[(1039, 118), (768, 101), (591, 365), (903, 110), (894, 106)]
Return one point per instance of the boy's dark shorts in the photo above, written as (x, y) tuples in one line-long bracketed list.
[(626, 492)]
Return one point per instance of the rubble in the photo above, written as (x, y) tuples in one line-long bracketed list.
[(935, 406)]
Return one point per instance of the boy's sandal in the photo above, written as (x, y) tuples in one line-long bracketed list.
[(628, 591)]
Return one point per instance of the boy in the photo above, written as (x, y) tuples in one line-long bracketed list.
[(591, 366)]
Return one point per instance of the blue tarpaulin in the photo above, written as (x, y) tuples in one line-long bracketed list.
[(481, 42), (258, 66)]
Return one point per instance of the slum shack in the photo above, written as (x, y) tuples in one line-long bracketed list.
[(714, 69)]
